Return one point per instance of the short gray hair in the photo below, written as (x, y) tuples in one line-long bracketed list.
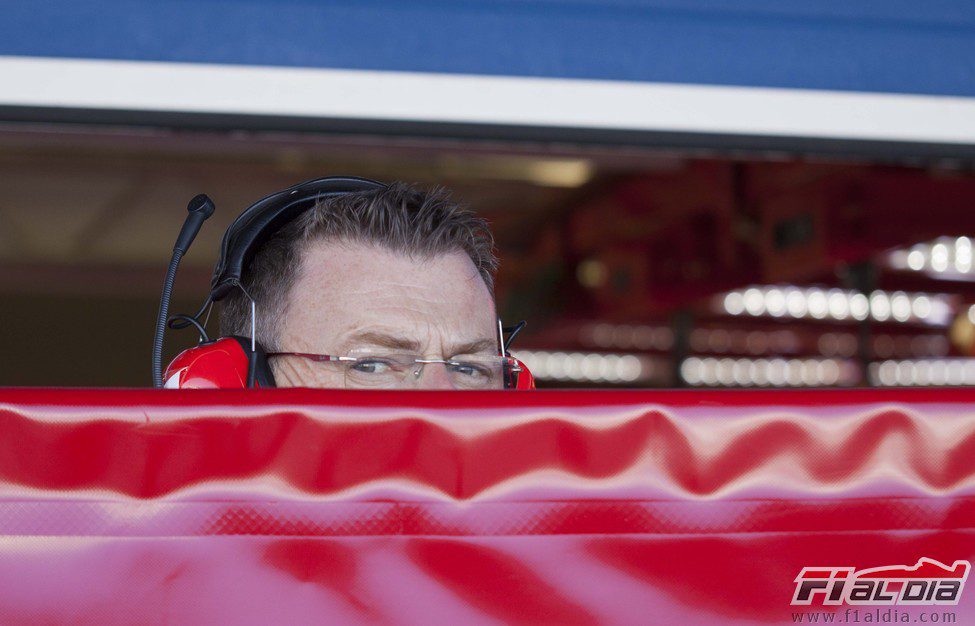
[(400, 218)]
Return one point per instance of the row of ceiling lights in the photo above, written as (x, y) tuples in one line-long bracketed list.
[(837, 304), (587, 367), (757, 342), (777, 372), (745, 372), (709, 371), (713, 372), (945, 257), (937, 372)]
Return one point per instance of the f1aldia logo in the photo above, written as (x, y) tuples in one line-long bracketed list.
[(927, 582)]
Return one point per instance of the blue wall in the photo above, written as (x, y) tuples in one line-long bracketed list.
[(901, 46)]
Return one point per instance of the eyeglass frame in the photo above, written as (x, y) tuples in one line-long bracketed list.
[(505, 359), (504, 345)]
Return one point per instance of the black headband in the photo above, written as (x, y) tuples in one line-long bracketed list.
[(265, 217)]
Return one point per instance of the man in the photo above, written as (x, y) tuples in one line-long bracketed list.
[(390, 288)]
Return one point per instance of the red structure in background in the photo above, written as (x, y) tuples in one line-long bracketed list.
[(678, 236), (299, 506), (682, 235)]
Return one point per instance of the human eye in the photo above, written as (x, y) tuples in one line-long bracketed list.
[(470, 369), (373, 365)]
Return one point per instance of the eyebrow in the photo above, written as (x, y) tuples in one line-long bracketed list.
[(474, 347), (393, 342), (384, 340)]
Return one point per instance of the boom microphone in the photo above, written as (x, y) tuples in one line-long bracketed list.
[(200, 208)]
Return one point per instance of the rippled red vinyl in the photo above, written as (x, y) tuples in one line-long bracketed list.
[(299, 506)]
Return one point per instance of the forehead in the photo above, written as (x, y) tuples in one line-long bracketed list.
[(343, 287)]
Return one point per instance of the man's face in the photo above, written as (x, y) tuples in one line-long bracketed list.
[(353, 299)]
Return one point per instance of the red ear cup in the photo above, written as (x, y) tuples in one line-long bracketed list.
[(525, 379), (220, 364)]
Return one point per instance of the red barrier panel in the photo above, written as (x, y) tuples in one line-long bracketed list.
[(299, 506)]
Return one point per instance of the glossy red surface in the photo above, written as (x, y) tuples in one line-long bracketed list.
[(298, 506), (218, 365), (525, 380)]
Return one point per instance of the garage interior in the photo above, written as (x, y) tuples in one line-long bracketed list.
[(635, 266)]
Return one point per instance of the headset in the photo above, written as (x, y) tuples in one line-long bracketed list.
[(237, 362)]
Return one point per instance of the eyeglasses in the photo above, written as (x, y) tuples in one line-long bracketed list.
[(402, 371)]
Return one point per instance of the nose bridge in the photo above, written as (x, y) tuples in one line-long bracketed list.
[(434, 376)]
